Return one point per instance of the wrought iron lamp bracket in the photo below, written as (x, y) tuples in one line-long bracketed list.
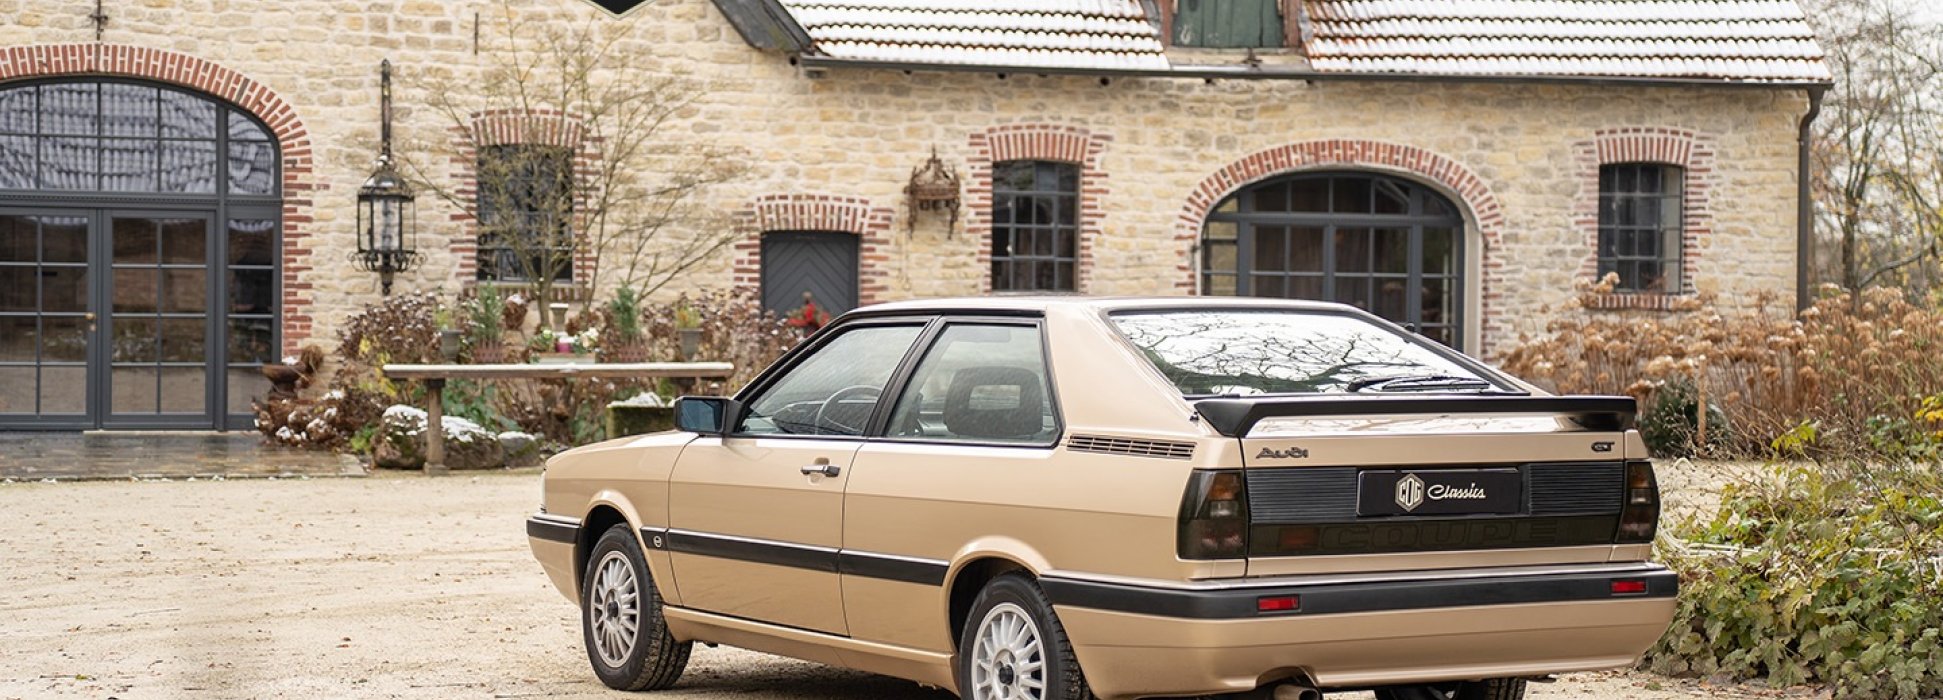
[(934, 186)]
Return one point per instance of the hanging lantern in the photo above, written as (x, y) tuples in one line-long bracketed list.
[(387, 215)]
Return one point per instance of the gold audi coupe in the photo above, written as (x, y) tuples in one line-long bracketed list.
[(1067, 498)]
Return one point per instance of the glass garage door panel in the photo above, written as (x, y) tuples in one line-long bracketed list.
[(1381, 244), (43, 316), (158, 316)]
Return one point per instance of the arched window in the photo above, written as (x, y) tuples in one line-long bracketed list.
[(139, 256), (1386, 245)]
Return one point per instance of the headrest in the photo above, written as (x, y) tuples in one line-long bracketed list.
[(995, 402)]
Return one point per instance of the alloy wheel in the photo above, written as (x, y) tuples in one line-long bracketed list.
[(1008, 659), (616, 608)]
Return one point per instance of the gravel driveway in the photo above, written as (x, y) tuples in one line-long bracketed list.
[(394, 586)]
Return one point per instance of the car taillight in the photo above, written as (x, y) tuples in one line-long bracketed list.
[(1640, 519), (1214, 517)]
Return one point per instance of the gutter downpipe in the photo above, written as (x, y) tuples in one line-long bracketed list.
[(1805, 200)]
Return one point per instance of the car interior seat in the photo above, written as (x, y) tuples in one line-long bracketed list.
[(995, 402)]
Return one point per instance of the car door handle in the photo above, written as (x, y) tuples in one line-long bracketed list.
[(825, 469)]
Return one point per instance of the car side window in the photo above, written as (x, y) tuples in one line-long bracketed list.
[(979, 383), (835, 389)]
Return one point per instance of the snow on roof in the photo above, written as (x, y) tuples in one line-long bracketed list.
[(1731, 40), (1745, 40), (1084, 34)]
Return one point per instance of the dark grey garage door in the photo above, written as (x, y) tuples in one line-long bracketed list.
[(821, 263)]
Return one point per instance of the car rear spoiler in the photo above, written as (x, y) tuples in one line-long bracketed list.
[(1235, 417)]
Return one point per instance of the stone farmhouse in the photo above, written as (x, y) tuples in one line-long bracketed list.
[(179, 178)]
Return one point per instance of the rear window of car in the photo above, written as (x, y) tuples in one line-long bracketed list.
[(1256, 352)]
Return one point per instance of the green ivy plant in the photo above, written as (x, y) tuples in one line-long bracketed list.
[(1818, 574)]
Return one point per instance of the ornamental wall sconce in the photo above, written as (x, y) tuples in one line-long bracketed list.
[(934, 186)]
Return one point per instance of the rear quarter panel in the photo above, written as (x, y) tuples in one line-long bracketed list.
[(1044, 509)]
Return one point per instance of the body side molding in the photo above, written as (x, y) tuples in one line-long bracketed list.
[(553, 528), (890, 567)]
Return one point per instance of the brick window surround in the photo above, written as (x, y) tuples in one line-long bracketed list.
[(1044, 142), (509, 128), (1464, 186), (815, 212), (1666, 146), (293, 140)]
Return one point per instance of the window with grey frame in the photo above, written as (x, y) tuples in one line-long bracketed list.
[(163, 207), (1035, 226), (111, 136), (1379, 243), (1641, 226), (525, 213)]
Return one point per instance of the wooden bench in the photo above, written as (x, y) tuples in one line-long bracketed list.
[(434, 377)]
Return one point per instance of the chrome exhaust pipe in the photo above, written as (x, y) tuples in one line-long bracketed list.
[(1296, 691)]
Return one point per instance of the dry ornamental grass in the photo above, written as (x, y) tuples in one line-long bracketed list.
[(1855, 374)]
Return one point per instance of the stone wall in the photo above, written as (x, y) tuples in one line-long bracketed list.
[(1154, 152)]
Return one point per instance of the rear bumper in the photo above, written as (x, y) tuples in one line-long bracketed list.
[(1136, 640)]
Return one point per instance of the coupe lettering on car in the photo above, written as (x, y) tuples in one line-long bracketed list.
[(1063, 498)]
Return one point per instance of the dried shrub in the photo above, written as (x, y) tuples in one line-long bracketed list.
[(404, 329), (401, 329), (1852, 368), (735, 329)]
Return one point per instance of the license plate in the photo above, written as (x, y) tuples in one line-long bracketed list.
[(1440, 492)]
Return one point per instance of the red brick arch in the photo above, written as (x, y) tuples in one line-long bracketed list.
[(1694, 153), (505, 127), (815, 212), (183, 70), (1486, 214)]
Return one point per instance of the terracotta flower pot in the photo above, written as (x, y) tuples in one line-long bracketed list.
[(627, 352), (488, 353)]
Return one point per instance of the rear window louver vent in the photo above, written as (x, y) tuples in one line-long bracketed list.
[(1130, 446)]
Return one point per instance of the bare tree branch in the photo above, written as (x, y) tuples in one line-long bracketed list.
[(597, 166)]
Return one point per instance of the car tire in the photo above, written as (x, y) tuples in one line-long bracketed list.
[(626, 637), (1491, 689), (1012, 642)]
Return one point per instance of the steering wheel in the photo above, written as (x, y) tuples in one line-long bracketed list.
[(820, 421)]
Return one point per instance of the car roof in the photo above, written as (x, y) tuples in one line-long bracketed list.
[(1038, 305)]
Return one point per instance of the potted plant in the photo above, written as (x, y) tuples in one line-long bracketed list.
[(552, 348), (487, 315), (688, 330), (626, 342), (451, 340), (807, 319)]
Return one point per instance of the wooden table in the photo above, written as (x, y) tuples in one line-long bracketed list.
[(434, 377)]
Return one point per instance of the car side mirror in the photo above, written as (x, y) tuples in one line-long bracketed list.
[(706, 415)]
